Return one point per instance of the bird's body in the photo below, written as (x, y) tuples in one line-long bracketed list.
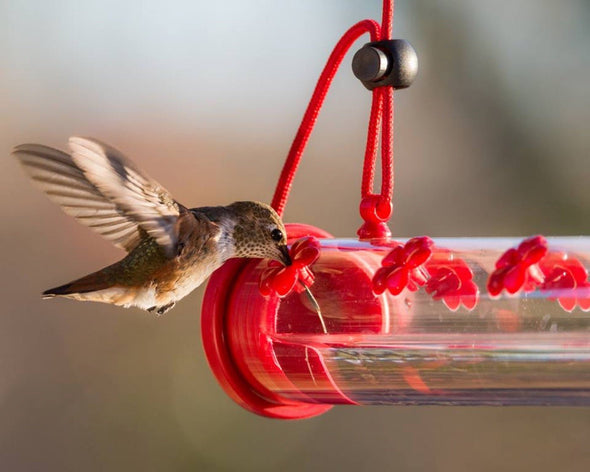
[(146, 278), (171, 249)]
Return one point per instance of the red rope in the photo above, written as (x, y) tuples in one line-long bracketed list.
[(372, 143), (375, 209), (313, 109), (387, 19)]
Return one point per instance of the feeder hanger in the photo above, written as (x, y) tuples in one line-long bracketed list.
[(382, 65)]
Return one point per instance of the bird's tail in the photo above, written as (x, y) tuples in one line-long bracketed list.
[(96, 287)]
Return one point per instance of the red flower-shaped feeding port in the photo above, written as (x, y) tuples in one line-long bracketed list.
[(532, 266), (417, 263), (568, 279), (517, 268), (451, 280), (403, 267), (281, 280)]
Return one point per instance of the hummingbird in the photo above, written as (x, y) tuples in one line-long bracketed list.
[(171, 249)]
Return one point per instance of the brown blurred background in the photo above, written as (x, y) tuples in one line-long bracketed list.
[(492, 139)]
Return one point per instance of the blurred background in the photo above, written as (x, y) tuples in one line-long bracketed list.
[(492, 139)]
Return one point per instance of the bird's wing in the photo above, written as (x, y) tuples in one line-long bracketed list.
[(55, 173), (142, 199), (105, 191)]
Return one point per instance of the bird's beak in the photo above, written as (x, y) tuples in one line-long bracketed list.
[(285, 257)]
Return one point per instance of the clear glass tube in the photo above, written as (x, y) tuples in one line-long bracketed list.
[(423, 346)]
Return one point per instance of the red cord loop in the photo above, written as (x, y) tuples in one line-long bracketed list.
[(375, 209)]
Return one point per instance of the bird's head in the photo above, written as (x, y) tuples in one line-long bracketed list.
[(259, 232)]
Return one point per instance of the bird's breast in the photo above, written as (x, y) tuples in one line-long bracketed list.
[(183, 274)]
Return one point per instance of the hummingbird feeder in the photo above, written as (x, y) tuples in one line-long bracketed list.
[(456, 321)]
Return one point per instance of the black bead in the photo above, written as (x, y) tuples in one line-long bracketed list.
[(386, 63)]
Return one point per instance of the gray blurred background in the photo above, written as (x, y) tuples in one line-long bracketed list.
[(492, 139)]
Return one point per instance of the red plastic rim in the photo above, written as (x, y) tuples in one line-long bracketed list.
[(215, 342)]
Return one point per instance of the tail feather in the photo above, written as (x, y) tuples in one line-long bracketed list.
[(89, 287), (89, 283), (57, 291), (100, 287)]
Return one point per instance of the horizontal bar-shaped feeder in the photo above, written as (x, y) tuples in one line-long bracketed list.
[(474, 321)]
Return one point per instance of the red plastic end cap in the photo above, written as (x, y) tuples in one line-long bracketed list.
[(214, 313)]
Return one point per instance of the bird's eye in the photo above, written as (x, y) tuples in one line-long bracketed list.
[(276, 234)]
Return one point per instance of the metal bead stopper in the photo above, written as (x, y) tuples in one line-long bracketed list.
[(369, 64), (386, 63)]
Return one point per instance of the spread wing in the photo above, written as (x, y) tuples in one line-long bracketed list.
[(102, 189), (140, 197)]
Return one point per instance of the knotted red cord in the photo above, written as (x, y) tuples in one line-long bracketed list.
[(375, 208)]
